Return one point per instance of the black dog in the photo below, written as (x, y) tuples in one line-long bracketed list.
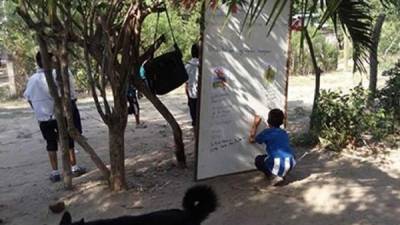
[(198, 203)]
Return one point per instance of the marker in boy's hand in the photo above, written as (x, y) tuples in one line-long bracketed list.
[(253, 130), (252, 139)]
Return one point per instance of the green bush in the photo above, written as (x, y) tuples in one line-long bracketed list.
[(389, 96), (341, 119), (326, 53), (19, 42)]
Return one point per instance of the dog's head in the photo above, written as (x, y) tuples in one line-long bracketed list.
[(67, 220)]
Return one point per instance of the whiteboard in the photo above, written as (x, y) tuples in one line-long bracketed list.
[(242, 74)]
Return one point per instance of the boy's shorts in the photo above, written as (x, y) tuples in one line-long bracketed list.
[(133, 107), (76, 116), (278, 166), (49, 131)]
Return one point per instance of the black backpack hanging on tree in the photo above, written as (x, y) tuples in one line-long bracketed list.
[(166, 72)]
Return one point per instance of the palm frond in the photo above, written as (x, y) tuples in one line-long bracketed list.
[(388, 3), (255, 8), (247, 14), (331, 9), (354, 16), (257, 11), (311, 10), (278, 8)]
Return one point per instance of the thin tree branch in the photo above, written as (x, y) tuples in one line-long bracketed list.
[(90, 77), (28, 20), (157, 6), (67, 12), (115, 5), (125, 24), (149, 51), (103, 86)]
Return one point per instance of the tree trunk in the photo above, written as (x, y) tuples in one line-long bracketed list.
[(176, 129), (11, 76), (117, 157), (116, 129), (161, 108), (58, 111), (66, 162), (318, 72), (373, 57), (72, 131)]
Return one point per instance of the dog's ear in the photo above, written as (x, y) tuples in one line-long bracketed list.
[(66, 219), (82, 221)]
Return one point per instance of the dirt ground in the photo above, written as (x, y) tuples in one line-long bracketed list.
[(325, 188)]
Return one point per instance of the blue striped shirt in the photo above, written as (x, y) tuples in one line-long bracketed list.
[(280, 156)]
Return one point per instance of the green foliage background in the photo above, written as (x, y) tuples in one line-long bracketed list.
[(185, 25), (20, 42), (327, 54), (17, 41)]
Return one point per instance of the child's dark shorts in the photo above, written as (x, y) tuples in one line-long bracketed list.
[(259, 162), (49, 131)]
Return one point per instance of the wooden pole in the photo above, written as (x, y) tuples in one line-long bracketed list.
[(11, 76), (346, 53)]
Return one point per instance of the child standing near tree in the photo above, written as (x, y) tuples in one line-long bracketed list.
[(133, 105), (38, 95), (279, 159), (192, 69)]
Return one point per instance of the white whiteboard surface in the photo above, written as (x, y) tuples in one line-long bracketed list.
[(242, 74)]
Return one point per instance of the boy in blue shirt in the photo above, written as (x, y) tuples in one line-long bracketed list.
[(279, 159)]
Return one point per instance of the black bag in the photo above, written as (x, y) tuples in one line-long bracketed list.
[(166, 72)]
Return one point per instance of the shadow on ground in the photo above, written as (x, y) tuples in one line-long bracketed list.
[(323, 188)]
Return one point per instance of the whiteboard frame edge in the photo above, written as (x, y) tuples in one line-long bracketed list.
[(202, 28), (200, 78)]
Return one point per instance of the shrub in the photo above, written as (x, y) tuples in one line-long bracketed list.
[(389, 96), (341, 119)]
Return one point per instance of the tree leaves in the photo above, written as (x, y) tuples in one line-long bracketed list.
[(352, 16)]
